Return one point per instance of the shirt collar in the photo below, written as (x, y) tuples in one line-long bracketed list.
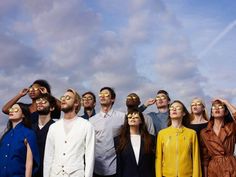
[(108, 114)]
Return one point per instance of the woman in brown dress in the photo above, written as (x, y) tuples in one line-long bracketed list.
[(218, 140)]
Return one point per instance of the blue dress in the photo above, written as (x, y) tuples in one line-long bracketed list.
[(13, 151)]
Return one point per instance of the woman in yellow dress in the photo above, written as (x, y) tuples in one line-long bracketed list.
[(177, 146)]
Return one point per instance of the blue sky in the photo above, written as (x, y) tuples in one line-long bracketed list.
[(186, 47)]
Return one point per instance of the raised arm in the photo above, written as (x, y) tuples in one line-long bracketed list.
[(13, 101)]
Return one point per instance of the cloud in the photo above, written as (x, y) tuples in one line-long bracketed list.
[(134, 46)]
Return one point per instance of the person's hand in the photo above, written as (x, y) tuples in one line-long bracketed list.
[(149, 102), (43, 90), (224, 101), (23, 92)]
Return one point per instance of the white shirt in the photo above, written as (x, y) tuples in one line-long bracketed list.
[(136, 144)]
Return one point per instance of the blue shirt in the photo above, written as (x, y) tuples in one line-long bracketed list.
[(159, 119), (13, 151), (106, 127)]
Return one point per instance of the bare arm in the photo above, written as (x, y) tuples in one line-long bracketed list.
[(29, 162), (13, 101)]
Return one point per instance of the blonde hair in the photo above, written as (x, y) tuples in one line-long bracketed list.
[(205, 116), (77, 99)]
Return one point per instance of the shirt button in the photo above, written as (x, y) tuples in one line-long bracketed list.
[(65, 141), (8, 144), (64, 153), (5, 155), (62, 166), (4, 167)]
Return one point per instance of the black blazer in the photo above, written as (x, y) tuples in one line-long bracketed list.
[(127, 165)]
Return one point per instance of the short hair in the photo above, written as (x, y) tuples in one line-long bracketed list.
[(51, 99), (165, 93), (112, 92), (43, 83), (77, 99), (90, 93)]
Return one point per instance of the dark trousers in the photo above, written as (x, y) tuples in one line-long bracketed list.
[(96, 175)]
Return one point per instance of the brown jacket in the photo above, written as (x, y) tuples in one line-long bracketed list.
[(218, 151)]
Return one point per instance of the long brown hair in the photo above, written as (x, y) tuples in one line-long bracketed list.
[(124, 136), (186, 117)]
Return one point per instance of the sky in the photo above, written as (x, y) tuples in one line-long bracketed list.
[(186, 47)]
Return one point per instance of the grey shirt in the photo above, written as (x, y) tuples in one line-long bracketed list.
[(159, 120), (106, 127)]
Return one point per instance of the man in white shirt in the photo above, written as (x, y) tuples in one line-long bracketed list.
[(107, 124), (70, 143)]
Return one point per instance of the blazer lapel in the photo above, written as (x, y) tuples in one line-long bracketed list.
[(141, 152), (131, 151)]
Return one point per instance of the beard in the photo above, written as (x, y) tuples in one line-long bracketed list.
[(44, 111), (67, 109)]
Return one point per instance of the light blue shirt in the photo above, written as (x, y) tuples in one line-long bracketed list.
[(106, 127)]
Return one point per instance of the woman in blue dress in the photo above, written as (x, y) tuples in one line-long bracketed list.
[(19, 155)]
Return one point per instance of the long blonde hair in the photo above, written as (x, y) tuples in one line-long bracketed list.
[(204, 113)]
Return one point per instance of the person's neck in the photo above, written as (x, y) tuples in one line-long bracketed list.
[(218, 123), (163, 109), (15, 123), (89, 111), (33, 107), (176, 123), (44, 119), (134, 130), (198, 118), (106, 108), (69, 115)]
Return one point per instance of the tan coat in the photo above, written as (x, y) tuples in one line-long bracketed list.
[(218, 151)]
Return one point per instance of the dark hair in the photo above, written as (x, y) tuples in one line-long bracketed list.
[(165, 93), (112, 92), (228, 117), (51, 99), (137, 98), (90, 93), (125, 134), (186, 117), (43, 83), (25, 119)]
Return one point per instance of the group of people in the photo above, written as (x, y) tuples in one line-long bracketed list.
[(39, 142)]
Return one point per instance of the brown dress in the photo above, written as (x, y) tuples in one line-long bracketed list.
[(218, 151)]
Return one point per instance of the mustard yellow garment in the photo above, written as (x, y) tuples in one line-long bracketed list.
[(177, 153)]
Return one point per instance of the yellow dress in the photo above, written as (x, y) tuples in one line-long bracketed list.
[(177, 153)]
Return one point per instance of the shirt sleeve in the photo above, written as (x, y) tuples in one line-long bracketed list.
[(197, 172), (149, 124), (90, 151), (49, 153)]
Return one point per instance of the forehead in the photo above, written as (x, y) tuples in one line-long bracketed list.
[(176, 104), (161, 94), (16, 106), (88, 95), (196, 101), (69, 93), (105, 91), (35, 85)]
